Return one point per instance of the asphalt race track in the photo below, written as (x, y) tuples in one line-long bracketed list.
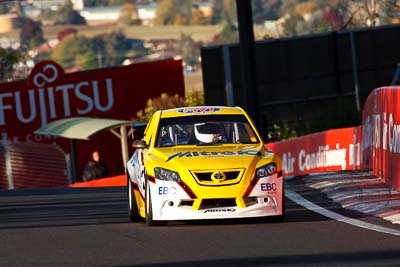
[(89, 227)]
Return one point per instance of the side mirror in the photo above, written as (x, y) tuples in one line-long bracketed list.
[(139, 144)]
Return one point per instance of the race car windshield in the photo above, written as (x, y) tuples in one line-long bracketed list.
[(205, 130)]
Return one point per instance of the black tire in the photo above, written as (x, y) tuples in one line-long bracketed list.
[(133, 210), (149, 209)]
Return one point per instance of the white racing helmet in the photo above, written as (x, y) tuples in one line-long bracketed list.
[(207, 132)]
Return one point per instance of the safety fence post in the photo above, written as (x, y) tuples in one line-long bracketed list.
[(7, 158)]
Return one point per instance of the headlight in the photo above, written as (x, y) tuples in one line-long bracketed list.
[(166, 175), (266, 170)]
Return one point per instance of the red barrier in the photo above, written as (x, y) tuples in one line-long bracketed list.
[(105, 182), (381, 134), (32, 165), (333, 150)]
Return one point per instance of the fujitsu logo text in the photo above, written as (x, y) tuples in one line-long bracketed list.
[(56, 101)]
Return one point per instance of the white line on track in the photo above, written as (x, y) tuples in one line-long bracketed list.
[(335, 216)]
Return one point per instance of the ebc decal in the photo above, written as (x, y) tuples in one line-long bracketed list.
[(198, 110), (268, 187), (214, 154), (163, 190)]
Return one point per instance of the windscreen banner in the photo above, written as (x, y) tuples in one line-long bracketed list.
[(332, 150), (381, 134), (50, 94)]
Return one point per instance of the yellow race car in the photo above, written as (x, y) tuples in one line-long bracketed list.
[(201, 163)]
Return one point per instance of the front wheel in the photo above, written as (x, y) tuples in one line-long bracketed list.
[(149, 209)]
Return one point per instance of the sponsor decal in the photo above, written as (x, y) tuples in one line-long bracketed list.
[(324, 157), (332, 150), (163, 190), (206, 154), (199, 110), (46, 100), (380, 130), (393, 135), (267, 187), (220, 210)]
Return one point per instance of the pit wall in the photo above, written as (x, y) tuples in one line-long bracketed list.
[(381, 135)]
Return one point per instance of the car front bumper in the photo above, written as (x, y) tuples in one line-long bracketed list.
[(171, 202)]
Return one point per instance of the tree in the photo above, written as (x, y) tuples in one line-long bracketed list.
[(307, 8), (103, 50), (74, 17), (69, 51), (288, 6), (92, 3), (291, 25), (116, 46), (390, 12), (164, 12), (31, 34), (189, 49), (266, 10), (369, 13), (165, 101), (9, 58), (171, 11), (198, 18), (128, 15), (364, 13), (88, 61), (334, 19), (181, 20), (67, 15), (216, 17), (63, 33), (314, 16), (42, 55), (322, 25), (229, 34), (17, 9), (224, 11), (194, 98), (4, 7)]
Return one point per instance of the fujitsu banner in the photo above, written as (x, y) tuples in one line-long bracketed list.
[(332, 150), (381, 134), (50, 94)]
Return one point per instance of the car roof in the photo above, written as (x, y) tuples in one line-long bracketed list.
[(200, 110)]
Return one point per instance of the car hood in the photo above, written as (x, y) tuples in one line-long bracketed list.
[(215, 157)]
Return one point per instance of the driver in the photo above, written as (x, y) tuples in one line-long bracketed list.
[(207, 132)]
